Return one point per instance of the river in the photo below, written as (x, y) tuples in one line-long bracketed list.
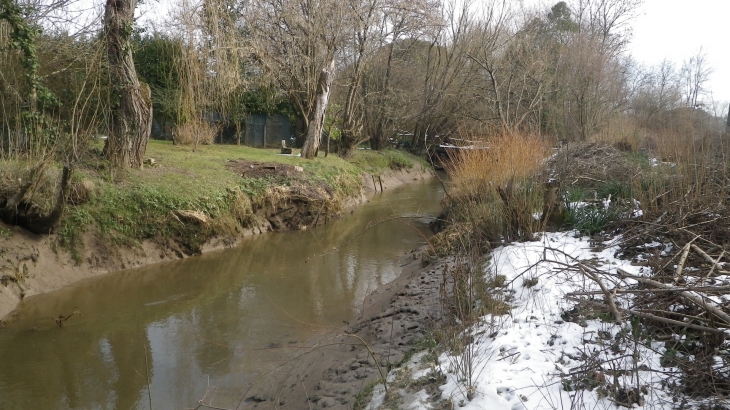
[(206, 327)]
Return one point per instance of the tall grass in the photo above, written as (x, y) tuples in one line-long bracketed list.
[(195, 132), (691, 152), (692, 176), (492, 185), (493, 195)]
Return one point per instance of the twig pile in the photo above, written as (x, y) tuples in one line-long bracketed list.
[(589, 165), (681, 298)]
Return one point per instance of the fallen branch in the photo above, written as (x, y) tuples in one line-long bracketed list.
[(702, 253), (686, 294), (633, 291), (609, 296), (683, 259), (714, 264), (655, 317)]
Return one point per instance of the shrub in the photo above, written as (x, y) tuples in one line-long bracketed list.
[(195, 132), (493, 185), (590, 218)]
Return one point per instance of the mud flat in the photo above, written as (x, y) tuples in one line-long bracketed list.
[(331, 370)]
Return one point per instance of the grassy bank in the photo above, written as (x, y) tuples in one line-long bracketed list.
[(181, 198)]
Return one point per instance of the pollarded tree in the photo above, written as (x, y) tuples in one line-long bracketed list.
[(131, 114), (405, 24), (513, 69), (364, 36)]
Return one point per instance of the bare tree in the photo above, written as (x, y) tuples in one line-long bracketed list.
[(321, 100), (364, 36), (592, 68), (446, 76), (513, 71), (658, 90), (596, 85), (608, 21), (131, 116), (296, 42), (405, 24), (695, 73)]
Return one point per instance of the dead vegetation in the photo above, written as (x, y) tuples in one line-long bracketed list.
[(676, 230), (591, 165), (666, 204)]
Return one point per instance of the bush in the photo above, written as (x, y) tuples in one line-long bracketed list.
[(195, 132), (493, 185)]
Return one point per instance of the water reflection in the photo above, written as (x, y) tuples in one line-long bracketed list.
[(208, 326)]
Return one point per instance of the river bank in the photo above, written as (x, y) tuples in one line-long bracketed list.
[(212, 324), (339, 369), (35, 264)]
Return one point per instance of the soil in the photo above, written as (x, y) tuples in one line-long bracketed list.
[(373, 183), (30, 264), (255, 169), (333, 369)]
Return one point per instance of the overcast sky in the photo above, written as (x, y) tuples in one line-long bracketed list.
[(676, 29)]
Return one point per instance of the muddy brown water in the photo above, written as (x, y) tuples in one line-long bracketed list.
[(207, 327)]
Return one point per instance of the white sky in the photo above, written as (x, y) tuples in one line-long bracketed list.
[(676, 29)]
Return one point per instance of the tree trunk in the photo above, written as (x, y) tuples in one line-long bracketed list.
[(314, 130), (131, 115), (20, 212)]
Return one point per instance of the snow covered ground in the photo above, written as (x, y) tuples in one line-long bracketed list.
[(547, 355)]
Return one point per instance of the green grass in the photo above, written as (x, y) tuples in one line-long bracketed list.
[(590, 219), (363, 397), (640, 158), (205, 170), (375, 162), (615, 189), (138, 205)]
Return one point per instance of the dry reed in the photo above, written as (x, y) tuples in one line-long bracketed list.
[(493, 186), (495, 161)]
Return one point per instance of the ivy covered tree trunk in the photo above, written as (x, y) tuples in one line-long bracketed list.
[(131, 119), (314, 130)]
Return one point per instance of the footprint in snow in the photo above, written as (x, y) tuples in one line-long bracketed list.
[(507, 393)]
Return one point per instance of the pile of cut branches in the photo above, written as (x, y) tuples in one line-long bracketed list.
[(680, 300)]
